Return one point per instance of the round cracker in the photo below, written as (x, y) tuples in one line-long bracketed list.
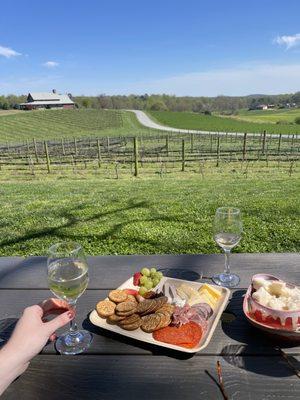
[(125, 307), (105, 308), (132, 327), (150, 322), (118, 296), (130, 320), (115, 318)]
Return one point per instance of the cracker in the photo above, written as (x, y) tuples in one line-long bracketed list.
[(130, 320), (115, 318), (105, 308), (117, 296), (150, 322)]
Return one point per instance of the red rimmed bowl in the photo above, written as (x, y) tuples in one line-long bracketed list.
[(284, 324)]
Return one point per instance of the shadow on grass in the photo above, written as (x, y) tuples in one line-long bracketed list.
[(75, 221)]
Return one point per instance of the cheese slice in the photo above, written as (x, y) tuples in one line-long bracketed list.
[(214, 293), (194, 299), (205, 297)]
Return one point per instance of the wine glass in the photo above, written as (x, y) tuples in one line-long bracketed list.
[(68, 279), (227, 231)]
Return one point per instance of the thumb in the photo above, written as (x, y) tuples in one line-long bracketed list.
[(59, 321)]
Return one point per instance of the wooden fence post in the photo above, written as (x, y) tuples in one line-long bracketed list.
[(35, 150), (218, 150), (183, 156), (47, 157), (75, 146), (135, 154), (192, 142), (107, 147), (167, 145), (244, 146), (264, 143), (99, 153), (279, 144), (63, 146)]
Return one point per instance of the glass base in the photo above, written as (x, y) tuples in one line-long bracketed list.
[(227, 280), (74, 342)]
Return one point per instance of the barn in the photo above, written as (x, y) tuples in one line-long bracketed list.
[(47, 100)]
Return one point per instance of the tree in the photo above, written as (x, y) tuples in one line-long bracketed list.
[(86, 102)]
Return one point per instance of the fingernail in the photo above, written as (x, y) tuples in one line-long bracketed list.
[(70, 315)]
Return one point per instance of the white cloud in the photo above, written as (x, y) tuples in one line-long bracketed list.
[(288, 40), (51, 64), (8, 52), (242, 80)]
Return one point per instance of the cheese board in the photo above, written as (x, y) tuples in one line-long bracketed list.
[(183, 314)]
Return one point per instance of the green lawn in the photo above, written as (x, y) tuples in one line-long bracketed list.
[(188, 120), (55, 124), (268, 116), (147, 215)]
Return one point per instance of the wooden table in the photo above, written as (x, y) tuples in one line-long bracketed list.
[(118, 368)]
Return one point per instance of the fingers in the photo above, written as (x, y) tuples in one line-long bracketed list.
[(59, 321), (54, 306)]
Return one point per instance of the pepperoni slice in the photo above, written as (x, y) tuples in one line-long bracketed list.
[(187, 335)]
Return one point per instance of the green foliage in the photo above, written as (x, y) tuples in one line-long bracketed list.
[(147, 216), (297, 120), (184, 120)]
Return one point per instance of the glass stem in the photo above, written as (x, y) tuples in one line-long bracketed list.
[(227, 262), (73, 325)]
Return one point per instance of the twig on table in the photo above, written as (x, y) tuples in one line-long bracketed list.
[(221, 384), (286, 358)]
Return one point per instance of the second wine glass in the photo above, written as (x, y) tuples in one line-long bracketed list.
[(227, 233)]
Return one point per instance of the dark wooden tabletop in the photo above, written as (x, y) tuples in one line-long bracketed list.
[(116, 367)]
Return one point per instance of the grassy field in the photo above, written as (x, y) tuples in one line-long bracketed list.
[(268, 116), (55, 124), (187, 120), (148, 215)]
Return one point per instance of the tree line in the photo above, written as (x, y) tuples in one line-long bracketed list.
[(164, 102)]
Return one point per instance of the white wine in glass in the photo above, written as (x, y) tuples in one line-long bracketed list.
[(227, 233), (68, 279)]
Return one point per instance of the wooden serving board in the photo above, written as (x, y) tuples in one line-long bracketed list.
[(138, 334)]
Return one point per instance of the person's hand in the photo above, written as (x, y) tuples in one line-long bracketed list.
[(30, 335), (33, 331)]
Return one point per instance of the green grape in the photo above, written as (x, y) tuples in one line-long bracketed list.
[(149, 284), (145, 271), (152, 271), (143, 290), (155, 281), (143, 280), (159, 274)]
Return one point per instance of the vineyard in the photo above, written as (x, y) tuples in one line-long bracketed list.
[(51, 124), (148, 154)]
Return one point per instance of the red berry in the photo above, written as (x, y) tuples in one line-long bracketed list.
[(136, 278), (131, 291)]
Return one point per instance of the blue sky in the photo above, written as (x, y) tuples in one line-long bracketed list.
[(231, 47)]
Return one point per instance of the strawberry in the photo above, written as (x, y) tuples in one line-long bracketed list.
[(136, 278), (131, 291)]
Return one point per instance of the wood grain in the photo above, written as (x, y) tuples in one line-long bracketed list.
[(130, 377), (107, 272)]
